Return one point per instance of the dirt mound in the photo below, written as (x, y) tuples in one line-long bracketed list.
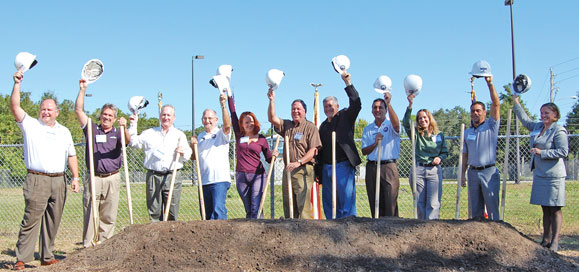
[(351, 244)]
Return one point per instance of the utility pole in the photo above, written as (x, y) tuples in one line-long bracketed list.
[(552, 85), (518, 170)]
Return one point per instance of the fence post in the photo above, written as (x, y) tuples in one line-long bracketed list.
[(518, 175)]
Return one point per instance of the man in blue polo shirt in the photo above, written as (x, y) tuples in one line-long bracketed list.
[(480, 155), (107, 152), (387, 130)]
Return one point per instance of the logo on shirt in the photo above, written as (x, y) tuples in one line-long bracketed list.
[(385, 129)]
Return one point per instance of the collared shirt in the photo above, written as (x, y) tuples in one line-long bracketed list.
[(160, 148), (326, 137), (427, 147), (107, 149), (214, 156), (481, 143), (390, 141), (303, 136), (248, 152), (46, 149)]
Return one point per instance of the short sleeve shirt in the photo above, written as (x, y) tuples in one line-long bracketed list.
[(481, 143), (214, 156), (390, 141), (107, 149), (303, 136), (46, 149)]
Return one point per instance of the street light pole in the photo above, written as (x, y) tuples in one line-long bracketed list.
[(510, 4), (518, 172), (193, 91)]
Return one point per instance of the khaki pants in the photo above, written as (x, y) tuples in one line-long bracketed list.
[(302, 179), (44, 199), (107, 192), (158, 193)]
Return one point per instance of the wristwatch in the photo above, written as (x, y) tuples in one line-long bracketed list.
[(300, 161)]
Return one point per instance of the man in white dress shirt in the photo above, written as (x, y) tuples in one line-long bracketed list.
[(161, 144)]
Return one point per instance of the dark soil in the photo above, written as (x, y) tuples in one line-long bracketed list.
[(351, 244)]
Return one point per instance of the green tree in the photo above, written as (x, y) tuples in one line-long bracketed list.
[(572, 125)]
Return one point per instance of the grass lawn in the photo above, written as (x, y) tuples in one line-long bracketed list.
[(518, 212)]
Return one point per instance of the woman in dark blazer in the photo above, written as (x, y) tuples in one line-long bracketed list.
[(549, 148)]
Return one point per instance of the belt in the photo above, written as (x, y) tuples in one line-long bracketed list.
[(425, 164), (45, 174), (158, 173), (104, 175), (481, 167), (382, 162)]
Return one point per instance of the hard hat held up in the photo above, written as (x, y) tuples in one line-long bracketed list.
[(341, 63), (481, 68), (136, 103), (92, 70), (522, 84), (412, 84), (383, 84), (24, 61), (273, 78)]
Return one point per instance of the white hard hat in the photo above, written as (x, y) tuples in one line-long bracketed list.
[(136, 103), (24, 61), (225, 70), (341, 63), (522, 84), (273, 78), (383, 84), (412, 84), (221, 83), (481, 68), (92, 70)]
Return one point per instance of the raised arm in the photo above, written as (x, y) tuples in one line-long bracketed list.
[(354, 99), (17, 111), (273, 119), (234, 117), (496, 103), (226, 120), (522, 115), (391, 113), (408, 114), (79, 106)]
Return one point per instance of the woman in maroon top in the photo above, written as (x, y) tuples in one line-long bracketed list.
[(250, 173)]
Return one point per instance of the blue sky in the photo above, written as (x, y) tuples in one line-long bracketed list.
[(147, 47)]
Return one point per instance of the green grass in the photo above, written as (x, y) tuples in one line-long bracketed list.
[(518, 212)]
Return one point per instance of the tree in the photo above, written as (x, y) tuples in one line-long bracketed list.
[(572, 125)]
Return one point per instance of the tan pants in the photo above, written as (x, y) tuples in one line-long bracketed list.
[(107, 192), (44, 198), (302, 179)]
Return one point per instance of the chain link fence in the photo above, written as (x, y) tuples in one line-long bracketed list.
[(518, 211)]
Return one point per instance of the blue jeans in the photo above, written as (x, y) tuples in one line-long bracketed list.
[(345, 190), (214, 195), (250, 188)]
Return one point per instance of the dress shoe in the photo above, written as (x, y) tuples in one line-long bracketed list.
[(51, 262), (19, 265)]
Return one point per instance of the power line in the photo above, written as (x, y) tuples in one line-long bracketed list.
[(565, 61)]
